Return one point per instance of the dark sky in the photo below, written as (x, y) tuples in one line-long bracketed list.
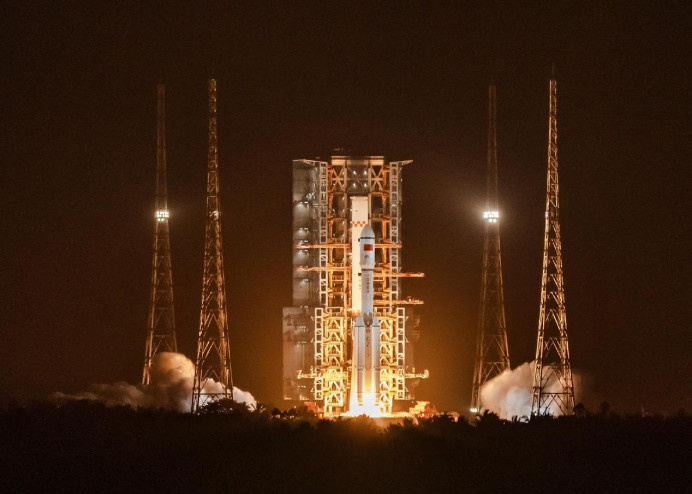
[(403, 79)]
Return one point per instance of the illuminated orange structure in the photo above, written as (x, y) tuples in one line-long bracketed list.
[(553, 386), (161, 322), (332, 202), (213, 377), (492, 350)]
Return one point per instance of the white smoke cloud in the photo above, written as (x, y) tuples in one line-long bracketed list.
[(170, 387), (509, 394)]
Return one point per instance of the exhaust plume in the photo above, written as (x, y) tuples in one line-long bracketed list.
[(172, 375)]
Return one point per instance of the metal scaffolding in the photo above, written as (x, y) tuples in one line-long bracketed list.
[(317, 328), (492, 351), (161, 321), (213, 378), (553, 388)]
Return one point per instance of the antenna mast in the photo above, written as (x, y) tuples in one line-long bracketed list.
[(161, 323), (492, 351), (213, 352), (553, 388)]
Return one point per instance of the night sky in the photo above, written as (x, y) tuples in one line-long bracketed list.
[(404, 79)]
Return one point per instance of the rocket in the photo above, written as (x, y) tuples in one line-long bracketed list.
[(365, 377)]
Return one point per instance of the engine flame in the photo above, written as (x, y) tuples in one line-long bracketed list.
[(369, 406)]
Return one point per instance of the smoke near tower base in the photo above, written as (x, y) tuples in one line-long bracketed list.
[(509, 394), (172, 375)]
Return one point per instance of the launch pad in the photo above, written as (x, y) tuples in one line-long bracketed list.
[(324, 333)]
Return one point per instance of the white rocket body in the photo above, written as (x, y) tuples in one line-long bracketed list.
[(365, 384)]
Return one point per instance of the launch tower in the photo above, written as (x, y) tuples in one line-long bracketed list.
[(213, 379), (553, 388), (492, 352), (161, 322), (332, 202)]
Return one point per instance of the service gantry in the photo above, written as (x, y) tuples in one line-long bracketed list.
[(492, 352), (553, 387), (332, 201), (161, 322), (213, 378)]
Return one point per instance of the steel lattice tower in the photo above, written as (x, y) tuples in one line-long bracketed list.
[(553, 388), (161, 323), (213, 352), (492, 352)]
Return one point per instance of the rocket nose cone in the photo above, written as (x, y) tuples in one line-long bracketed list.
[(367, 232)]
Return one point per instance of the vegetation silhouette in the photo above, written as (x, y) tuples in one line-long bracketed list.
[(85, 446)]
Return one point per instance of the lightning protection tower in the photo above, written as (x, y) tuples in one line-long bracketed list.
[(161, 322), (553, 388), (213, 352), (492, 352)]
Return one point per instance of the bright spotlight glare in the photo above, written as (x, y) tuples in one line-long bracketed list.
[(491, 216), (162, 215)]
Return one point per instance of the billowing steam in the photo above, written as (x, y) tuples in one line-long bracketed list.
[(172, 375), (509, 394)]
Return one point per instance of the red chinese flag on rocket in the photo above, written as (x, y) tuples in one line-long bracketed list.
[(367, 247)]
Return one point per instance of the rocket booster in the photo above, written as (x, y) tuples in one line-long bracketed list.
[(365, 386)]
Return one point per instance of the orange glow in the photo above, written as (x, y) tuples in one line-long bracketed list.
[(369, 407)]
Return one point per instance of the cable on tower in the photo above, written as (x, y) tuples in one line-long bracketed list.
[(492, 351), (553, 388)]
